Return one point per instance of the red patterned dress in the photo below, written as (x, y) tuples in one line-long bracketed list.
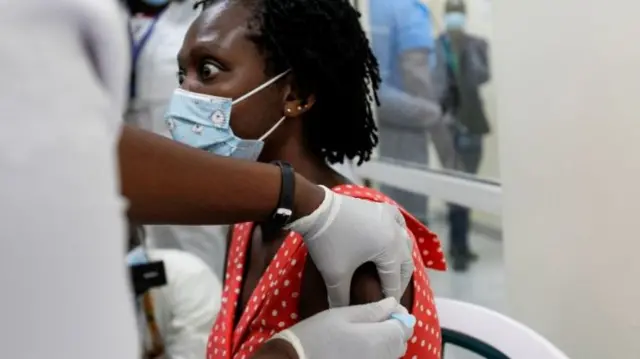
[(273, 305)]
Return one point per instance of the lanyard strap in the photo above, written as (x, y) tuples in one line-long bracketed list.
[(136, 50), (157, 347), (451, 56)]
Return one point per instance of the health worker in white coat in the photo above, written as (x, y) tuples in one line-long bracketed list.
[(157, 28)]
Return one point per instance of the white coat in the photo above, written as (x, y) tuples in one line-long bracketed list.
[(156, 79), (64, 293), (184, 309)]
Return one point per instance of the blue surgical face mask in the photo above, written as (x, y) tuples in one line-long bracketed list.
[(137, 256), (455, 20), (155, 2), (203, 121)]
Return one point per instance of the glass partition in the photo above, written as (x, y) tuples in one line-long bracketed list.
[(438, 152)]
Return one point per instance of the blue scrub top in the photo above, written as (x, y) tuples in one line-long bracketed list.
[(398, 26)]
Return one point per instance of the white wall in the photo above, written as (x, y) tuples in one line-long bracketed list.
[(568, 85)]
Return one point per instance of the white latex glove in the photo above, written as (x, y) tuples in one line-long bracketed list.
[(345, 232), (364, 331)]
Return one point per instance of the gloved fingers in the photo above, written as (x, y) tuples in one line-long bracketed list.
[(340, 293), (401, 225), (370, 313), (406, 264), (392, 335), (400, 309), (389, 270), (399, 218), (406, 273), (405, 257), (403, 231), (403, 350), (403, 329), (404, 242), (291, 337)]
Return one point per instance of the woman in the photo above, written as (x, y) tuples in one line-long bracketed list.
[(295, 75)]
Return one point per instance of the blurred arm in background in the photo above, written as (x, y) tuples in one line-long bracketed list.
[(416, 105), (404, 44)]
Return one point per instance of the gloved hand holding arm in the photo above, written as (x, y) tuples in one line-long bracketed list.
[(365, 331), (167, 182), (345, 232)]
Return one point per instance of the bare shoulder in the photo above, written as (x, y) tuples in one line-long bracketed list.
[(365, 288)]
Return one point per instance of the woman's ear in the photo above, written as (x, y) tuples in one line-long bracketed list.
[(296, 108), (296, 105)]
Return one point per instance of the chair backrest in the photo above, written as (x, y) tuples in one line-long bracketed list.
[(491, 334)]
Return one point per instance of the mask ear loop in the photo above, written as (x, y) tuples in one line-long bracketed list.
[(260, 88), (273, 128)]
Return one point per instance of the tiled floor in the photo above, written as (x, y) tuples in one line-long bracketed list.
[(483, 284)]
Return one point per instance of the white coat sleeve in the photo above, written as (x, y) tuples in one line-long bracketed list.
[(64, 286)]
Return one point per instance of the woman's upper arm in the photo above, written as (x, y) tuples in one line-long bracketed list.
[(313, 292), (365, 288)]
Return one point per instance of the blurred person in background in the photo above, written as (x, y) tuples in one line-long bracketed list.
[(462, 66), (157, 28), (174, 319), (403, 43)]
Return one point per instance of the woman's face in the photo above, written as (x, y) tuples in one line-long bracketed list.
[(217, 58)]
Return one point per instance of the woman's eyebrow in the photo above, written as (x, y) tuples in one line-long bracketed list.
[(209, 48), (212, 44)]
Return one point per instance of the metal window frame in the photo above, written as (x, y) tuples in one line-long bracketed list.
[(452, 187), (465, 190)]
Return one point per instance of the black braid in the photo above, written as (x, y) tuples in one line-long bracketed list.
[(323, 44)]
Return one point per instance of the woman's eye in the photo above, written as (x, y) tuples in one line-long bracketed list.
[(181, 75), (208, 70)]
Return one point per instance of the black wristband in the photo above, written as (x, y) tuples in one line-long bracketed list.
[(284, 210)]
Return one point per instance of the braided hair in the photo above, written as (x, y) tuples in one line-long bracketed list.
[(323, 44)]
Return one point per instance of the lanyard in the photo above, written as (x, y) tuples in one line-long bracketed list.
[(145, 304), (136, 50), (157, 346), (451, 56)]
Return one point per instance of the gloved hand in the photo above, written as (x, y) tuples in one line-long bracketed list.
[(364, 331), (345, 232)]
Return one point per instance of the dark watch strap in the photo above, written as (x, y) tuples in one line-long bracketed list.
[(284, 210)]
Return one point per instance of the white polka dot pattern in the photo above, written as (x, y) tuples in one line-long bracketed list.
[(273, 305)]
